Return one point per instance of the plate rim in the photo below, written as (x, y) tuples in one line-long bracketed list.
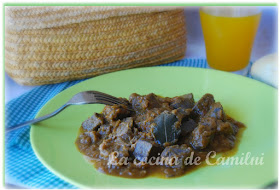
[(79, 185)]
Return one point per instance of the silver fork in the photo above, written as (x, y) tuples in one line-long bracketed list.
[(86, 97)]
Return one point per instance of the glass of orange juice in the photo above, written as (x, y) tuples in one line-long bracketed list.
[(229, 34)]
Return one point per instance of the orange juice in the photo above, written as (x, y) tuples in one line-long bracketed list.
[(228, 40)]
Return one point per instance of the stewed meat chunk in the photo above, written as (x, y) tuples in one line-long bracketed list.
[(175, 153), (124, 129), (115, 112), (93, 122), (203, 105), (186, 101), (144, 150), (188, 126), (216, 111), (203, 133)]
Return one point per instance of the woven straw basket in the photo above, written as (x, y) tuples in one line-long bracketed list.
[(46, 45)]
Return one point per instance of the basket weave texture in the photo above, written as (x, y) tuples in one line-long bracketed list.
[(45, 45)]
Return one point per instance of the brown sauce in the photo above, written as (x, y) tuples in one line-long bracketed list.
[(189, 128)]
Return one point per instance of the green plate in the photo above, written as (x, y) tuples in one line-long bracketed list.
[(247, 100)]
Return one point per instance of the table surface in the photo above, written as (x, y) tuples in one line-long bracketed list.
[(265, 43)]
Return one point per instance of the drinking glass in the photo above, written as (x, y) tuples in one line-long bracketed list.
[(229, 34)]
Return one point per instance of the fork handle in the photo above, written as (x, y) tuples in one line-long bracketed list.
[(36, 120)]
